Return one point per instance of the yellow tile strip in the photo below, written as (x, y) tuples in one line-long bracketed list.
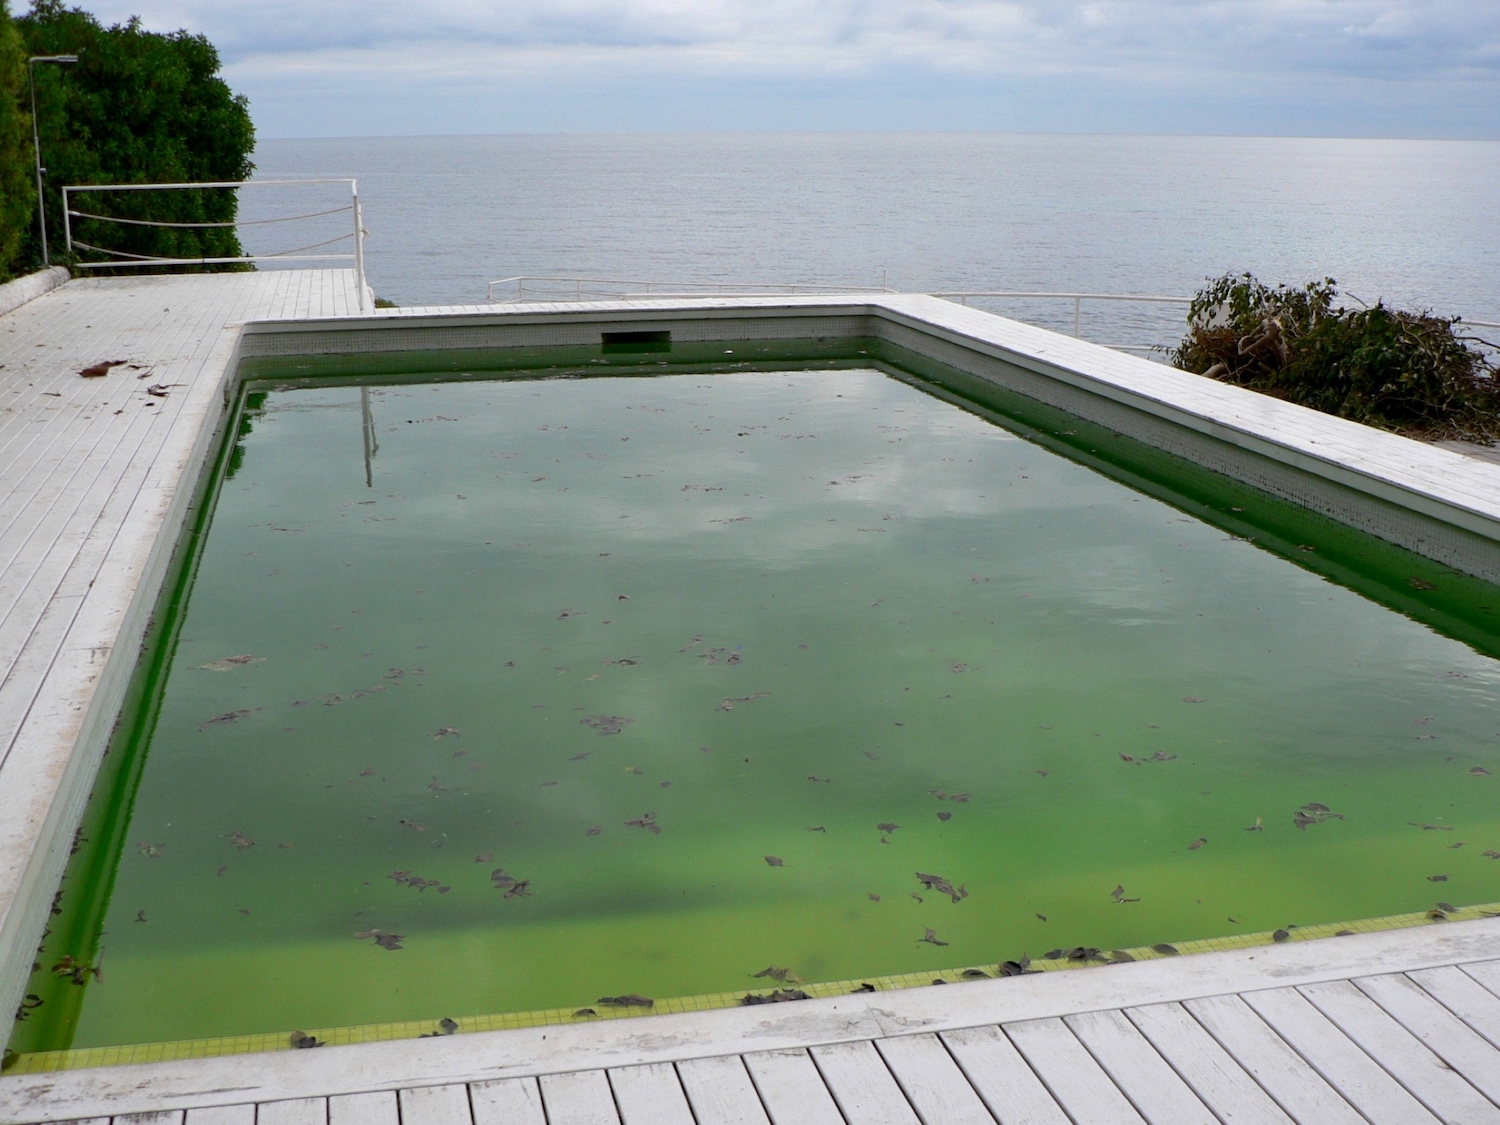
[(42, 1061)]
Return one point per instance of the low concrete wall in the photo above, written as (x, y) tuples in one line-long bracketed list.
[(1429, 500), (14, 294)]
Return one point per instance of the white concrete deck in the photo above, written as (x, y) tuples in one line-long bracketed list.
[(1393, 1027)]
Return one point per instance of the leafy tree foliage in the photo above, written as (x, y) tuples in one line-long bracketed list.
[(138, 107), (17, 193), (1408, 371)]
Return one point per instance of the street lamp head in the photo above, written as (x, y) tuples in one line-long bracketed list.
[(65, 59)]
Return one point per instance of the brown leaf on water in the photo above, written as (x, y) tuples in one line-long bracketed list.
[(773, 861), (876, 898), (1163, 756), (227, 717), (151, 851), (1479, 771), (629, 1000), (872, 757), (645, 820), (887, 827), (607, 724), (1281, 935), (382, 939), (1437, 878), (444, 732), (778, 974), (1430, 827), (1257, 826), (1196, 844), (818, 828), (368, 771), (945, 816), (229, 663), (239, 840), (580, 757), (484, 857), (592, 830), (931, 938)]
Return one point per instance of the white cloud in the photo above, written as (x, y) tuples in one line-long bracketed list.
[(922, 46)]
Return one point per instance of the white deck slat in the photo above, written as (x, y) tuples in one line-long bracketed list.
[(720, 1091), (376, 1108), (791, 1089), (166, 1117), (1485, 972), (507, 1101), (932, 1081), (1205, 1066), (1075, 1080), (436, 1105), (1430, 1080), (582, 1097), (297, 1111), (1002, 1077), (1444, 1034), (229, 1115), (1265, 1056), (1465, 997), (862, 1085), (1156, 1090), (650, 1094), (1343, 1064)]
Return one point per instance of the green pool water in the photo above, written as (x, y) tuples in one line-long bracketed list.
[(761, 614)]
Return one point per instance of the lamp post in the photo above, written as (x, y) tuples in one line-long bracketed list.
[(36, 142)]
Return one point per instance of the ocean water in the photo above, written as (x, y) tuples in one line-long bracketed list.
[(1409, 221)]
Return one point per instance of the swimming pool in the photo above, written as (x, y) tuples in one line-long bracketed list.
[(640, 686)]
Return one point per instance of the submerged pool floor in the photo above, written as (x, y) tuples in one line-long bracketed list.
[(646, 685)]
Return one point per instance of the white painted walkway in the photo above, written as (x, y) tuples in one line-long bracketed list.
[(1392, 1028), (1386, 1028)]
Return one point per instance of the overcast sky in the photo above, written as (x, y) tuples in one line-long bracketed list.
[(1416, 68)]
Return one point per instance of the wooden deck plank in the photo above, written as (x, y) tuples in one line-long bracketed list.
[(507, 1101), (1444, 1034), (1341, 1062), (932, 1081), (646, 1095), (1265, 1056), (1156, 1090), (1430, 1080), (1071, 1075), (376, 1108), (236, 1115), (1486, 972), (1002, 1077), (720, 1091), (581, 1097), (862, 1085), (297, 1111), (791, 1089), (1465, 997), (1205, 1066), (436, 1105)]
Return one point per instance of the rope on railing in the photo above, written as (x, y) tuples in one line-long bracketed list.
[(149, 258), (205, 226)]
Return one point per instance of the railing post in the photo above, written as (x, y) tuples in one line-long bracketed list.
[(359, 246), (1077, 308), (67, 223)]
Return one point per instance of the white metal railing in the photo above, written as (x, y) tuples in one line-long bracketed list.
[(120, 259), (532, 288), (963, 297)]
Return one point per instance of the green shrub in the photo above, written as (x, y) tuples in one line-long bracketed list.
[(17, 191), (138, 107), (1408, 371)]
